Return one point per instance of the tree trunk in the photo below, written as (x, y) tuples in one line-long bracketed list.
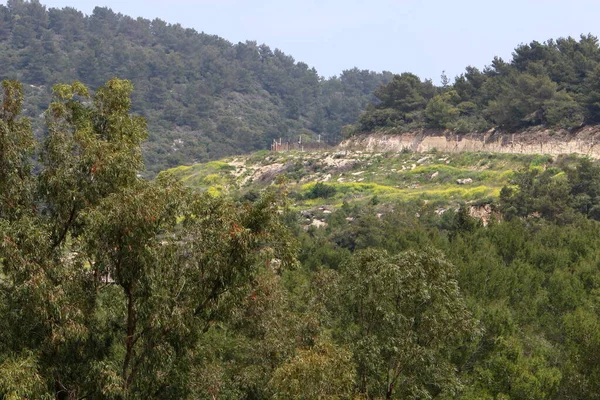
[(129, 340)]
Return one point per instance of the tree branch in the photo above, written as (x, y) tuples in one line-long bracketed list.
[(63, 235)]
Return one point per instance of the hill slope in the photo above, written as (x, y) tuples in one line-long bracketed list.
[(328, 179), (203, 96)]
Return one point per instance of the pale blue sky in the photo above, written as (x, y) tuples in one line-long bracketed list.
[(424, 37)]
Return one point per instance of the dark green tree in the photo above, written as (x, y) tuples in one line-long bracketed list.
[(401, 316), (441, 110)]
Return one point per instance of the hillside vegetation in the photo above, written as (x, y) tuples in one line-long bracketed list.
[(521, 234), (331, 178), (288, 275), (325, 274), (203, 97), (554, 84)]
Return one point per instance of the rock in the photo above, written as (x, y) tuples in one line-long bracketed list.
[(422, 160), (318, 223), (483, 212), (435, 175), (464, 181)]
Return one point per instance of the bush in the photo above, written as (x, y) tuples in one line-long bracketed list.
[(321, 190)]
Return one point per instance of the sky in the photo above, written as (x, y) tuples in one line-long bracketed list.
[(423, 37)]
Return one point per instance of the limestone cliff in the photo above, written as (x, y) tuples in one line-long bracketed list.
[(585, 141)]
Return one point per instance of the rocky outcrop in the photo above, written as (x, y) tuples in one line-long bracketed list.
[(484, 212), (585, 141)]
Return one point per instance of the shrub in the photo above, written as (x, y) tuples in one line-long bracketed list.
[(321, 190)]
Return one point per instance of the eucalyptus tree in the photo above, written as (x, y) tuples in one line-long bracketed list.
[(107, 281), (402, 317)]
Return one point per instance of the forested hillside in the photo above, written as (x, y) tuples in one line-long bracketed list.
[(520, 232), (554, 84), (283, 275), (114, 287), (203, 97)]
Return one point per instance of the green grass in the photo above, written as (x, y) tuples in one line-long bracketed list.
[(391, 177), (202, 176), (445, 192)]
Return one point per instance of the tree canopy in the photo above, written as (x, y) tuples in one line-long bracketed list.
[(551, 84), (108, 281)]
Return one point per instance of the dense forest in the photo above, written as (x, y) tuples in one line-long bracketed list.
[(530, 278), (553, 84), (202, 96), (115, 287)]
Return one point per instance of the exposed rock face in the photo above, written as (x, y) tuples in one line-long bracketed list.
[(484, 213), (586, 141)]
